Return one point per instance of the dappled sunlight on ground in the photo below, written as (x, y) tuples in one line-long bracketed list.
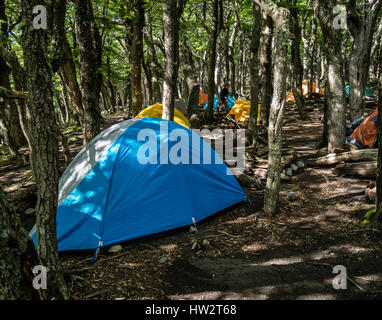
[(242, 254)]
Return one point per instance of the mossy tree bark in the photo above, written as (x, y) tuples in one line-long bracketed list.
[(335, 77), (280, 18), (43, 131)]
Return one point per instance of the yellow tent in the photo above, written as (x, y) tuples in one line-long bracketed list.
[(315, 89), (241, 110), (155, 111)]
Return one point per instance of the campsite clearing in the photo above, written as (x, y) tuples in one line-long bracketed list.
[(246, 255)]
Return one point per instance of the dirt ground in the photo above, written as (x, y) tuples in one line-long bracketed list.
[(240, 253)]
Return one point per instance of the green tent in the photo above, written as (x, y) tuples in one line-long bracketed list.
[(368, 92)]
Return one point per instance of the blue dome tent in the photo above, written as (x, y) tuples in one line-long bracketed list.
[(116, 189), (231, 102)]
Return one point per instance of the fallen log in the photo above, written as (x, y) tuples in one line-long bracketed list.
[(360, 169), (288, 160), (350, 156), (260, 173), (246, 180)]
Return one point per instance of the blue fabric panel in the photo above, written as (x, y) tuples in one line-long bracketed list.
[(122, 199), (230, 104), (151, 198), (80, 216), (354, 125)]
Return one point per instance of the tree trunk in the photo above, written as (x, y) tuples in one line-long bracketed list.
[(148, 81), (336, 87), (43, 131), (266, 70), (379, 162), (297, 71), (254, 73), (190, 73), (193, 107), (137, 58), (89, 44), (208, 114), (231, 51), (20, 82), (152, 62), (110, 87), (171, 16), (9, 117), (69, 77), (312, 57), (375, 50), (280, 18), (362, 26)]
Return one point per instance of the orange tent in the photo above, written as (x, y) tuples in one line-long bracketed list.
[(315, 89), (365, 134), (203, 98)]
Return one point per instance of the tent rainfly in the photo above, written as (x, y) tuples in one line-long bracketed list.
[(155, 111), (108, 195)]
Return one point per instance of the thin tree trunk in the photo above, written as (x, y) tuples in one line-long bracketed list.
[(231, 51), (69, 77), (361, 25), (152, 62), (20, 82), (312, 57), (336, 86), (208, 114), (297, 71), (254, 73), (193, 107), (136, 58), (171, 16), (379, 167), (148, 81), (89, 44), (9, 117), (280, 18), (266, 70), (110, 87)]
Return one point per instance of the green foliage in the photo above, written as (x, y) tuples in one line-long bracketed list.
[(367, 219)]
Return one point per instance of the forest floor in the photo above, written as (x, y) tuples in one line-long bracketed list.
[(247, 255)]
